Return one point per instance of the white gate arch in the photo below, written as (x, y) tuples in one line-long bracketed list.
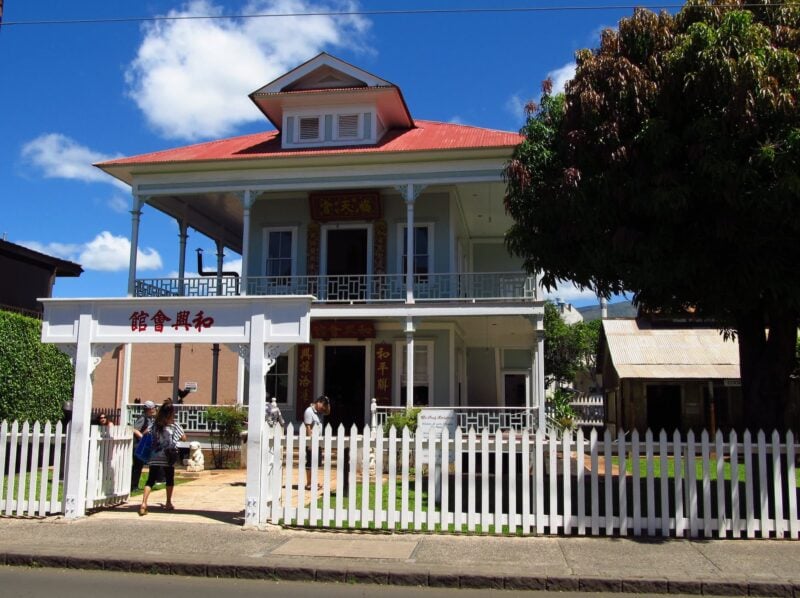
[(259, 328)]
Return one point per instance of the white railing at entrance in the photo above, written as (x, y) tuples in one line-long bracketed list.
[(479, 418), (535, 483), (110, 462), (31, 468)]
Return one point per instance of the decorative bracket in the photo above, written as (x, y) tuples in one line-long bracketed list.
[(271, 353), (415, 191), (98, 350)]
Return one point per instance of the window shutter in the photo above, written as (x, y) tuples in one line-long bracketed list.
[(348, 126), (309, 128)]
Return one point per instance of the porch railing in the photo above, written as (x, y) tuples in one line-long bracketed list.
[(493, 419), (468, 286), (192, 418)]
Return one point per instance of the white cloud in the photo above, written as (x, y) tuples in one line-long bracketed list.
[(60, 157), (456, 120), (191, 78), (516, 106), (560, 76), (106, 252)]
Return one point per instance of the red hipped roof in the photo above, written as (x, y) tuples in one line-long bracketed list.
[(426, 136)]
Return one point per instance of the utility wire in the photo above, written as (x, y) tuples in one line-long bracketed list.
[(388, 12)]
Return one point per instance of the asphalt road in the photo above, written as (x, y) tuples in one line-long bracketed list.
[(22, 582)]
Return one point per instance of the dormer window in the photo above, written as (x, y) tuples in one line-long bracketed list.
[(309, 129), (321, 126)]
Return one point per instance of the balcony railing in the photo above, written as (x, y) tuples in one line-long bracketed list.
[(362, 288)]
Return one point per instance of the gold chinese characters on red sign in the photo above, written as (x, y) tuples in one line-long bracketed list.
[(327, 329), (345, 205), (305, 377), (383, 374)]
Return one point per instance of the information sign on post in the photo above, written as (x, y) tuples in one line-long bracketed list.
[(437, 420)]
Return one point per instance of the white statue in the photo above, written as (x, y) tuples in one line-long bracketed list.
[(196, 461)]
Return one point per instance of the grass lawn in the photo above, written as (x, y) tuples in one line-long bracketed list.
[(698, 469), (38, 486)]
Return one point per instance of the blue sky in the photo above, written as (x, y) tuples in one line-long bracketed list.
[(80, 93)]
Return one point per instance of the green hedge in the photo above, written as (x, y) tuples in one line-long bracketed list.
[(35, 379)]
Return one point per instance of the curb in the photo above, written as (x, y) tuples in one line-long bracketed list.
[(409, 577)]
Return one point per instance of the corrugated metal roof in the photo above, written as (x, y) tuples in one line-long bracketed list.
[(670, 353), (427, 135)]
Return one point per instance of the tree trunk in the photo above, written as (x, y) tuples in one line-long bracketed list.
[(766, 361)]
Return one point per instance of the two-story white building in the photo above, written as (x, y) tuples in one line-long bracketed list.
[(327, 205)]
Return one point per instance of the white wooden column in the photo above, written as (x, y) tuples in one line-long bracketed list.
[(136, 214), (409, 197), (78, 440), (409, 363), (540, 379), (255, 509), (247, 203), (176, 359), (182, 237)]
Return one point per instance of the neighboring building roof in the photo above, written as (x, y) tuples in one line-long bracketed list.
[(427, 136), (59, 266), (669, 353)]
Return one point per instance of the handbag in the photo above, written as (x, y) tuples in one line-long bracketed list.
[(171, 453), (144, 449), (167, 444)]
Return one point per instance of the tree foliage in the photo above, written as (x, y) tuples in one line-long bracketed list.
[(227, 423), (35, 378), (671, 168), (568, 348)]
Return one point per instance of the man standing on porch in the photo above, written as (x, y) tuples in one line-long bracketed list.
[(312, 418)]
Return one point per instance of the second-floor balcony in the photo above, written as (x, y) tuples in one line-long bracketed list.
[(362, 288)]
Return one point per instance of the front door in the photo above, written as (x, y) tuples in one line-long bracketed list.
[(346, 264), (344, 384)]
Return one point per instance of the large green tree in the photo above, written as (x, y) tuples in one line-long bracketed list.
[(670, 168), (568, 348)]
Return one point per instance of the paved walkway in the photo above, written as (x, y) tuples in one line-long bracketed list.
[(204, 537)]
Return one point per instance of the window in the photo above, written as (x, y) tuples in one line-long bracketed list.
[(423, 372), (277, 380), (309, 128), (347, 126), (280, 253), (423, 250)]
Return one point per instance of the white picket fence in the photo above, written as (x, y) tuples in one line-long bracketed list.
[(30, 485), (110, 463), (33, 461), (530, 483)]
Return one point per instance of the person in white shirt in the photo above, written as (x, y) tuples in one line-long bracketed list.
[(313, 418)]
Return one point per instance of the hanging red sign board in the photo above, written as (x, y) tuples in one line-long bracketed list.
[(328, 329), (383, 374)]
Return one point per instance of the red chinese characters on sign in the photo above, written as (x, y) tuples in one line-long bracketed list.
[(305, 377), (383, 374), (140, 320)]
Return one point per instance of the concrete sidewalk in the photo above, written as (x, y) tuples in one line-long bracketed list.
[(204, 537)]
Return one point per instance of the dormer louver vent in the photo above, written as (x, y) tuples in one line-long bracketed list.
[(348, 126), (309, 129)]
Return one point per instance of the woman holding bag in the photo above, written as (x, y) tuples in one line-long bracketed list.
[(166, 433)]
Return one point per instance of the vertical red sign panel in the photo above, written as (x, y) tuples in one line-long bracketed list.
[(383, 374), (305, 378)]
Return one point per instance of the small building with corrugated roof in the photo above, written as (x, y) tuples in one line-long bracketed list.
[(662, 374)]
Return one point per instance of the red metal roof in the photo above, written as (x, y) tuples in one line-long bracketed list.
[(427, 136)]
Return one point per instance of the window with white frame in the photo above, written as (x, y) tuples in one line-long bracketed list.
[(277, 380), (280, 254), (423, 251), (423, 372), (348, 126), (309, 128)]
